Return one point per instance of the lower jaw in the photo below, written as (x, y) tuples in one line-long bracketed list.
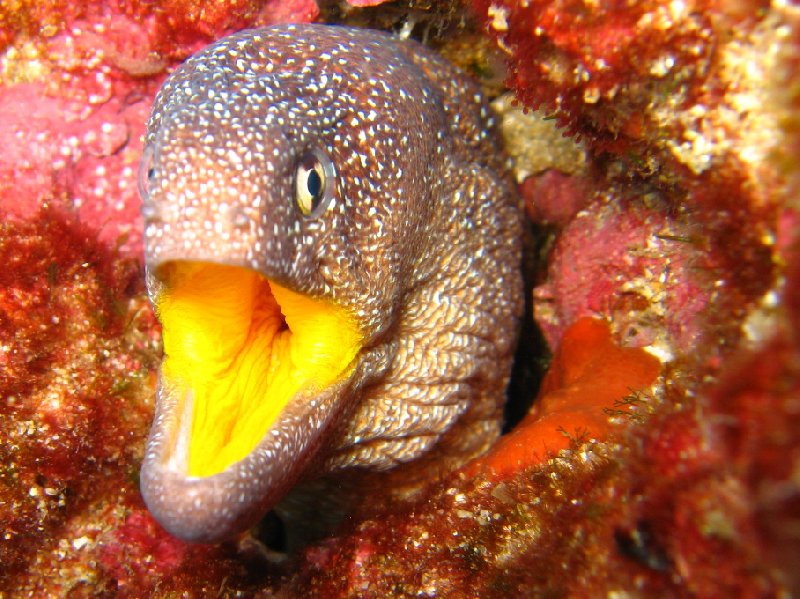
[(214, 508)]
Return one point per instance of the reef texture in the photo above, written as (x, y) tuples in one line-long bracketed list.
[(660, 457), (78, 80)]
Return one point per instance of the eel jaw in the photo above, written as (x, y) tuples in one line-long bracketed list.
[(204, 485), (215, 508)]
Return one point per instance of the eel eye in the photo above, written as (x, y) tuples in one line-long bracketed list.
[(313, 182), (147, 172)]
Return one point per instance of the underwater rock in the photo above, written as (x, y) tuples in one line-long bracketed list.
[(650, 274)]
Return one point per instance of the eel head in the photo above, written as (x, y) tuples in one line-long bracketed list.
[(302, 229)]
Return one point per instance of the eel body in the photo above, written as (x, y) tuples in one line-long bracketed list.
[(333, 250)]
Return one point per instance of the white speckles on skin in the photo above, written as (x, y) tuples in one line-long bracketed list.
[(419, 241)]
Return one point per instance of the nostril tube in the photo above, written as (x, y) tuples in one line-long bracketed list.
[(239, 219), (150, 212)]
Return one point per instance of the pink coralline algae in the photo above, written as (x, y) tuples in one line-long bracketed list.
[(635, 264), (86, 161), (75, 101), (363, 3), (553, 197)]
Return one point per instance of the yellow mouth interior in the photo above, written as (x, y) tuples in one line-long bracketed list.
[(244, 347)]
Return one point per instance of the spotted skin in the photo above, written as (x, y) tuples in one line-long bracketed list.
[(420, 242)]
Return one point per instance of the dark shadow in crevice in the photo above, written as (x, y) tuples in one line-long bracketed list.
[(533, 355)]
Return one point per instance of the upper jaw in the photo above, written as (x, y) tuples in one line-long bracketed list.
[(237, 254)]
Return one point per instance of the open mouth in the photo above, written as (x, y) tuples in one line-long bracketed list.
[(241, 348)]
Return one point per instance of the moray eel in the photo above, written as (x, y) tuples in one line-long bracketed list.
[(333, 250)]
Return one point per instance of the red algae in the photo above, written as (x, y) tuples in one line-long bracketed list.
[(760, 392), (686, 502), (363, 3), (181, 25), (596, 59), (676, 97), (636, 78), (140, 557), (64, 353), (33, 17)]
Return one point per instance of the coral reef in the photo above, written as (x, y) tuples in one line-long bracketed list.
[(660, 456)]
